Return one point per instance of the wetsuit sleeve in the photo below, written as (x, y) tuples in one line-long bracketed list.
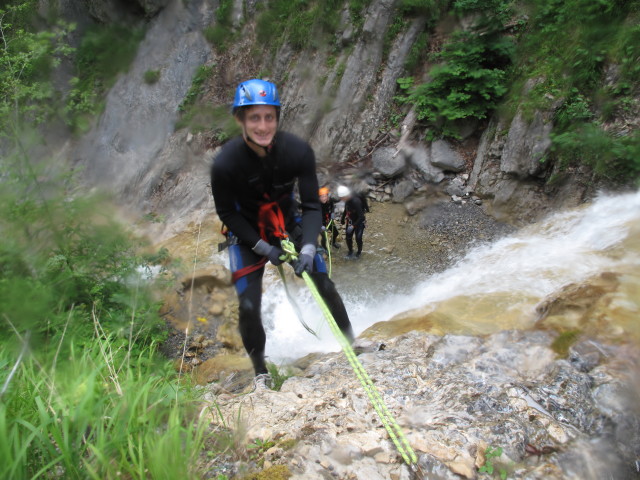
[(224, 196), (309, 200)]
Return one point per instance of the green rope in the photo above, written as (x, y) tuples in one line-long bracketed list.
[(393, 429), (328, 243)]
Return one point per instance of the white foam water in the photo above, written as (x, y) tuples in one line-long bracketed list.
[(567, 247)]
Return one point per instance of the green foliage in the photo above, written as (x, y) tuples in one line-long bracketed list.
[(26, 61), (616, 157), (627, 51), (420, 7), (489, 468), (496, 9), (570, 41), (339, 73), (566, 48), (575, 109), (218, 37), (221, 34), (65, 261), (151, 76), (357, 11), (275, 472), (203, 73), (104, 52), (418, 54), (301, 23), (223, 13), (467, 84), (97, 412), (277, 376), (397, 25), (200, 117)]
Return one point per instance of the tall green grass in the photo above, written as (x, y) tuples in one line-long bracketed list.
[(83, 391), (97, 413)]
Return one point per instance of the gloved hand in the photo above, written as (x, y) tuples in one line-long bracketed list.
[(269, 251), (323, 228), (305, 259), (350, 229)]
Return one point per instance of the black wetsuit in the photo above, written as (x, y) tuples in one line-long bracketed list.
[(241, 182), (327, 216), (353, 214)]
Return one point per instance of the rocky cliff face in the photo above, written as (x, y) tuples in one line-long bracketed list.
[(342, 110)]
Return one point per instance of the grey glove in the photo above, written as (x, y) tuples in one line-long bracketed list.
[(305, 259), (350, 229), (269, 251)]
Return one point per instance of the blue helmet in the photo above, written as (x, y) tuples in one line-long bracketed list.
[(256, 92)]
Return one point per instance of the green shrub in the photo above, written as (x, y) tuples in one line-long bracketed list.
[(203, 73), (614, 157), (424, 7), (151, 76), (278, 377), (357, 11), (97, 412), (468, 83), (221, 34), (27, 59), (302, 24), (418, 53), (496, 9), (104, 52), (69, 261), (566, 48), (570, 41)]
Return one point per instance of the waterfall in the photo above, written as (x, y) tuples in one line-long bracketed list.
[(511, 275)]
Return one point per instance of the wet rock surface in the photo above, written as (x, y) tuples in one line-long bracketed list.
[(458, 400)]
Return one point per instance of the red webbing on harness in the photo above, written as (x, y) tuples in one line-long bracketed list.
[(270, 224), (271, 221), (238, 274)]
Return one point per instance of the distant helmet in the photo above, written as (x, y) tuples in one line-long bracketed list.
[(256, 92), (323, 191), (343, 191)]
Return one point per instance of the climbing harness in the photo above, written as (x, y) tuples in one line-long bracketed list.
[(393, 429), (271, 221)]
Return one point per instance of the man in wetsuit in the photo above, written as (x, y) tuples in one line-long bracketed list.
[(353, 216), (252, 180), (328, 219)]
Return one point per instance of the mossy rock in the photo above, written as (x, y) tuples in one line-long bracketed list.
[(277, 472)]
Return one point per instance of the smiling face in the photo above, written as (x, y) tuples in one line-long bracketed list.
[(259, 124)]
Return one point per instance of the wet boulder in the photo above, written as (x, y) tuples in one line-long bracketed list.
[(388, 162)]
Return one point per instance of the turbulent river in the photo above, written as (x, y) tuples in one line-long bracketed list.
[(493, 287)]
